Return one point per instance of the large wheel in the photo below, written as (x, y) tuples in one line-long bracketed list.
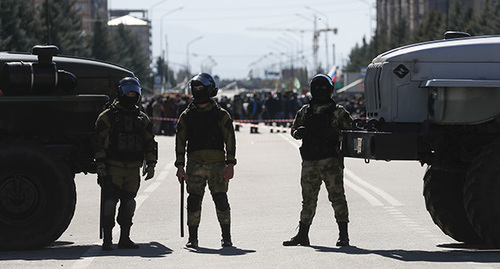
[(443, 193), (482, 194), (37, 196)]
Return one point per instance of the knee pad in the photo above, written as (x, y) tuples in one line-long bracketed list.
[(220, 200), (108, 208), (194, 202), (128, 207), (126, 212)]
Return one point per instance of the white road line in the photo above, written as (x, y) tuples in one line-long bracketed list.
[(389, 198), (370, 198)]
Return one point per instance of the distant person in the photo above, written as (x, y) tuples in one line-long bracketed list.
[(254, 111), (237, 110), (157, 108), (318, 124), (207, 130), (123, 141)]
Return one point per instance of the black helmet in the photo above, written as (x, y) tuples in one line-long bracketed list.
[(129, 84), (321, 88), (209, 88)]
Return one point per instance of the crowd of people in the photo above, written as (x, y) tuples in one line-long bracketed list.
[(270, 108)]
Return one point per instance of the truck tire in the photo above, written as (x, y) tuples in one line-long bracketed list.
[(37, 196), (444, 201), (481, 194)]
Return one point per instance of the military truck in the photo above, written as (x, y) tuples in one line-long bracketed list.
[(438, 102), (48, 107)]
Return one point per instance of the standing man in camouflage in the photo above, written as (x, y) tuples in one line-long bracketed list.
[(318, 124), (207, 130), (123, 141)]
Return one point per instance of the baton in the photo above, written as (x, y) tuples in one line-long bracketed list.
[(101, 208), (182, 207)]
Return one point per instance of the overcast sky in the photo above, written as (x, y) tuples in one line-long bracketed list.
[(229, 38)]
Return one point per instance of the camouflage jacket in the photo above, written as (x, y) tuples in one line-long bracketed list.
[(145, 147)]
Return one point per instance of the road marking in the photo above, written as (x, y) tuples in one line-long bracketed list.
[(389, 198), (89, 256), (370, 198)]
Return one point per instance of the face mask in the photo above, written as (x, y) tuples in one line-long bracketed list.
[(128, 102), (320, 95), (201, 96)]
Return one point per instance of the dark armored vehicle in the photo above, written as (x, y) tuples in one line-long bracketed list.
[(48, 107)]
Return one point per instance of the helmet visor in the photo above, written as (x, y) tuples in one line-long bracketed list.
[(205, 81), (131, 88)]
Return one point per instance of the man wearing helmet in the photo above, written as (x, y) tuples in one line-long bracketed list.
[(207, 130), (123, 141), (318, 124)]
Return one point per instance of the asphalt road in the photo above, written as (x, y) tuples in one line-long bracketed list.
[(389, 228)]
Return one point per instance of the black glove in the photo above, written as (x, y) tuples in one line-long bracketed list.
[(299, 133), (149, 171)]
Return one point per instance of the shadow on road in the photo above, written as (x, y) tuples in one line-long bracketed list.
[(226, 251), (67, 251), (465, 254)]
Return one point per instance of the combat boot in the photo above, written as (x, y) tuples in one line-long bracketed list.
[(302, 237), (125, 241), (343, 235), (193, 237), (107, 239), (226, 235)]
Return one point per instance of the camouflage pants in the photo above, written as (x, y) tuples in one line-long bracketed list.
[(313, 174), (121, 185), (199, 175)]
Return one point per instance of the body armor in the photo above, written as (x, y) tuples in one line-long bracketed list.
[(203, 130), (319, 143), (125, 140)]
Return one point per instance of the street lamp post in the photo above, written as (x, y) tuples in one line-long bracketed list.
[(187, 53), (161, 28), (151, 9)]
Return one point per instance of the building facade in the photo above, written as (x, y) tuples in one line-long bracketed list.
[(139, 27)]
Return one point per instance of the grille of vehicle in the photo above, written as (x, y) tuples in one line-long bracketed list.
[(372, 89)]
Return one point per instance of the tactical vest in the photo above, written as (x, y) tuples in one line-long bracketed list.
[(126, 140), (203, 129), (317, 144)]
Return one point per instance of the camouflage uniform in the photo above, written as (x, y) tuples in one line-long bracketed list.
[(328, 169), (206, 159), (123, 140)]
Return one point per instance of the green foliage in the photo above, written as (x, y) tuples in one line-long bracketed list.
[(459, 18), (64, 28), (22, 26), (101, 44), (130, 54), (18, 30)]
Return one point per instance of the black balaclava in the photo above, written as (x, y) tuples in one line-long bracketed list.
[(200, 96), (129, 84), (321, 89)]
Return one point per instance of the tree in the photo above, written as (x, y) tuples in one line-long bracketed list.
[(101, 45), (130, 54), (431, 28), (64, 28), (399, 34), (18, 30)]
